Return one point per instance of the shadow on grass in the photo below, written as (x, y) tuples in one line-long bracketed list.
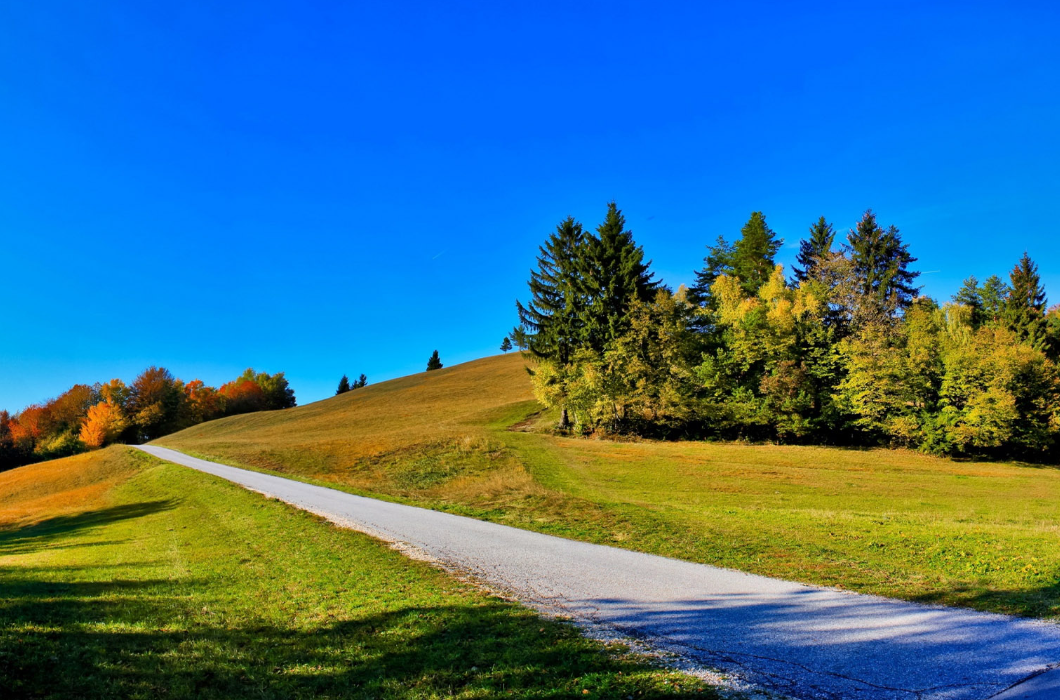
[(136, 639), (46, 533)]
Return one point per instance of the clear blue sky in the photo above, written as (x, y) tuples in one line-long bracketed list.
[(329, 188)]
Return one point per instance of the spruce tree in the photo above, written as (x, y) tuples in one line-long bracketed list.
[(344, 385), (717, 263), (881, 264), (551, 322), (614, 275), (506, 344), (970, 296), (994, 296), (1025, 308), (434, 362), (753, 253), (362, 381), (813, 249)]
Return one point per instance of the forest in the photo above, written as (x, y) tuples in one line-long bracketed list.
[(89, 417), (844, 350)]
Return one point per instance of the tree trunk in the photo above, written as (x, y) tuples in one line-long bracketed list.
[(564, 421)]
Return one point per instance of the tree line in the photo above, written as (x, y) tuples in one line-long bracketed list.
[(88, 417), (846, 351)]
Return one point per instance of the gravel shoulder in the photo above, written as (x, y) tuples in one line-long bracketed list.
[(802, 641)]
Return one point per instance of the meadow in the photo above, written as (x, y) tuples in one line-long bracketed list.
[(123, 576), (470, 439)]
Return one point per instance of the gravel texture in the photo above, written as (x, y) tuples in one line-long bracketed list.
[(801, 641)]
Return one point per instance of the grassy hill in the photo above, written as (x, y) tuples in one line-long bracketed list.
[(889, 522), (123, 576)]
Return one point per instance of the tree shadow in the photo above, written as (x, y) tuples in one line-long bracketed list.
[(122, 639), (46, 533)]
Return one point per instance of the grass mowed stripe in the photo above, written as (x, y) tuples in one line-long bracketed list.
[(894, 523), (171, 583)]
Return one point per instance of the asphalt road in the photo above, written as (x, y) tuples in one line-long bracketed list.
[(803, 641)]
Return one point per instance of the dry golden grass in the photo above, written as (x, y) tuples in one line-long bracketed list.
[(62, 486), (356, 432)]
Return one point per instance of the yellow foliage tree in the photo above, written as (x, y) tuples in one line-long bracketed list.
[(103, 423)]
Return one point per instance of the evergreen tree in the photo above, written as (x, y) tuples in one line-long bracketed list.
[(753, 253), (1025, 307), (362, 381), (506, 344), (994, 297), (813, 249), (551, 322), (434, 362), (717, 263), (881, 263), (344, 385), (970, 296), (614, 275)]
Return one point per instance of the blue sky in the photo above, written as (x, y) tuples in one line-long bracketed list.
[(330, 188)]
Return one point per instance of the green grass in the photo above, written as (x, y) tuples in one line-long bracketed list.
[(895, 523), (165, 582)]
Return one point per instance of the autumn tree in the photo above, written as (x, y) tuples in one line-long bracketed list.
[(103, 424), (155, 403)]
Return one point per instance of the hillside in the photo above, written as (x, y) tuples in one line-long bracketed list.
[(895, 523), (123, 576)]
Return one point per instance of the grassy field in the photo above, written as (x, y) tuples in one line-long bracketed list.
[(122, 576), (985, 535)]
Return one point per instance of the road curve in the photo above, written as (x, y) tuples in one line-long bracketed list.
[(802, 641)]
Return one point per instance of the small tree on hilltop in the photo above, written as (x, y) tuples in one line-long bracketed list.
[(506, 344), (344, 385), (434, 362), (362, 381)]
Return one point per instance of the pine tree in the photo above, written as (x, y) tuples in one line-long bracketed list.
[(717, 263), (434, 362), (506, 344), (1025, 308), (362, 381), (994, 296), (344, 385), (970, 296), (753, 253), (881, 263), (550, 323), (813, 249), (614, 275)]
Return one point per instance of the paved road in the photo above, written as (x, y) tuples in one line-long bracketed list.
[(803, 641)]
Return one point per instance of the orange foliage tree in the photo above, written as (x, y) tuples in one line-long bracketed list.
[(102, 425)]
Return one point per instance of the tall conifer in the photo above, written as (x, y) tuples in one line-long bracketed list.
[(970, 296), (717, 263), (814, 248), (434, 361), (881, 263), (614, 275), (551, 322), (994, 296), (1025, 308), (753, 253), (344, 385)]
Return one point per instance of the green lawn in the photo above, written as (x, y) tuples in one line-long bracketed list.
[(169, 583), (895, 523)]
